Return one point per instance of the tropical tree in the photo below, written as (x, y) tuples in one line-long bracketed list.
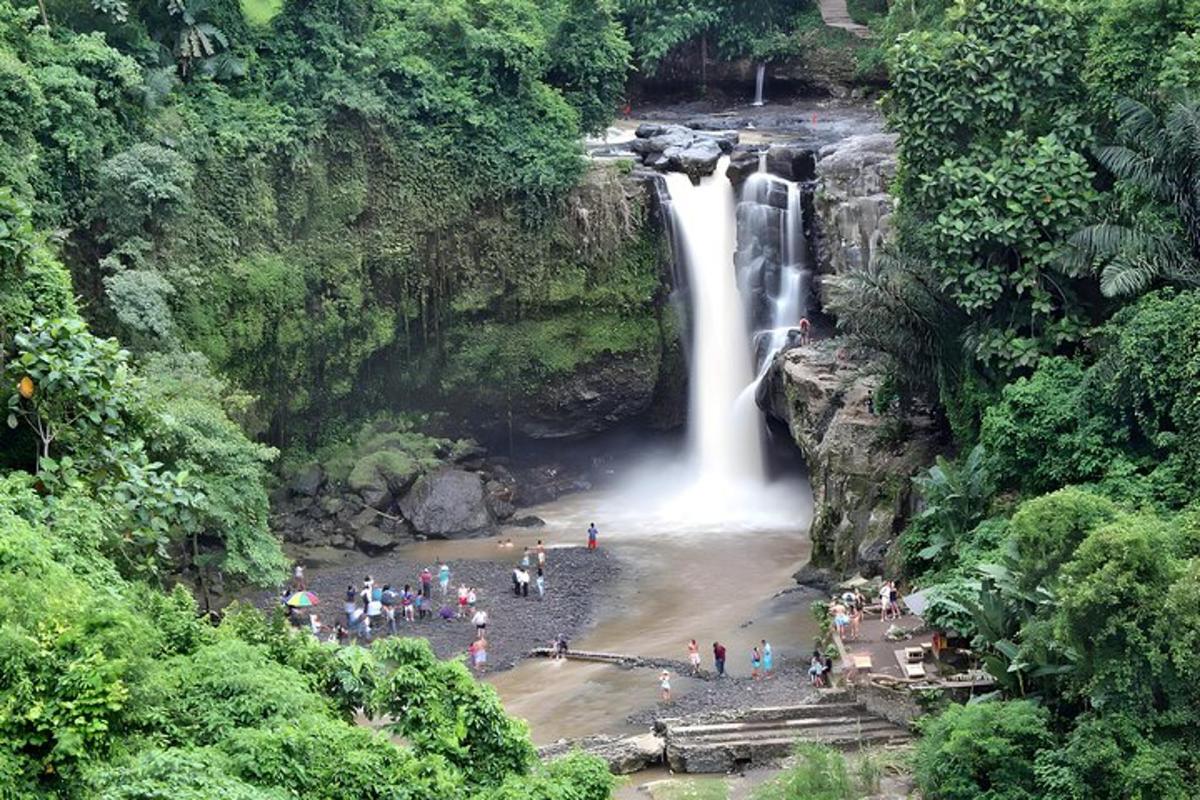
[(66, 383), (1158, 159)]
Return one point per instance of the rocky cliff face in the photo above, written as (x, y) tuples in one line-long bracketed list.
[(853, 208), (860, 462)]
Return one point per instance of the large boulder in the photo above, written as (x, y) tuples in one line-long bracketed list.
[(696, 159), (792, 162), (308, 481), (448, 503), (861, 463)]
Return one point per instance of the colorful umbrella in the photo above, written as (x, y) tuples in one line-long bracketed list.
[(302, 600)]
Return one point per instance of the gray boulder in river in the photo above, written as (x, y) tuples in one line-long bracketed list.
[(448, 503)]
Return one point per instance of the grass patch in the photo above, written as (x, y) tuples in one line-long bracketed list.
[(260, 12)]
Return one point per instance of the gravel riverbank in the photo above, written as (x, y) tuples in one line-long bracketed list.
[(575, 580)]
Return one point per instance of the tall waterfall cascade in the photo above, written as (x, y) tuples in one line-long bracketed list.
[(724, 431), (760, 79), (772, 261), (740, 272)]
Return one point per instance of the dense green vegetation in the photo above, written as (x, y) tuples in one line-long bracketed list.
[(1040, 294)]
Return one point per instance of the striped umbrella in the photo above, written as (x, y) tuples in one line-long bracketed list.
[(302, 600)]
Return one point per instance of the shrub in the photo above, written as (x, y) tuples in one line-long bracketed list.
[(982, 750)]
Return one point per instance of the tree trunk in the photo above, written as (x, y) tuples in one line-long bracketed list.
[(42, 8)]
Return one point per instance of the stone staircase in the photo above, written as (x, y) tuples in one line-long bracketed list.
[(767, 735)]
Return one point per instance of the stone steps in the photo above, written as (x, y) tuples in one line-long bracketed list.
[(767, 735)]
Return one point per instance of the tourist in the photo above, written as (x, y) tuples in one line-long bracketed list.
[(591, 536), (541, 555), (419, 602), (478, 654), (523, 581), (360, 624), (541, 584), (840, 618), (525, 562), (351, 602), (560, 647), (509, 544), (768, 658), (375, 606), (444, 578), (341, 635), (885, 601), (805, 331), (298, 583), (827, 671), (516, 581), (462, 600), (406, 602), (894, 600), (719, 658), (664, 685), (472, 598), (694, 656), (755, 662), (816, 670), (856, 615), (480, 621), (426, 583), (314, 625), (389, 607), (447, 613)]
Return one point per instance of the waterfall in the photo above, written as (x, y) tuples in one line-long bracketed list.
[(759, 79), (772, 258), (724, 431)]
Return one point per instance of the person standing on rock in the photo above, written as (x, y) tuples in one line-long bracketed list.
[(768, 659), (885, 602), (351, 602), (694, 656), (523, 579), (541, 556), (426, 584), (664, 685), (389, 608), (525, 561), (541, 584), (591, 536), (516, 581), (719, 658), (444, 578), (755, 662)]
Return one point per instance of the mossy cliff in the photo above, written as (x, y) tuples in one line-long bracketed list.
[(354, 278)]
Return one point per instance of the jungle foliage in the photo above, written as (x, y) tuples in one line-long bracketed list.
[(1040, 292)]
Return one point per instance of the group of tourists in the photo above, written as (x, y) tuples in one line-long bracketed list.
[(376, 608), (762, 664), (521, 576)]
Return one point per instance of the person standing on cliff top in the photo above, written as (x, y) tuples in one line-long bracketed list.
[(591, 536), (719, 658)]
